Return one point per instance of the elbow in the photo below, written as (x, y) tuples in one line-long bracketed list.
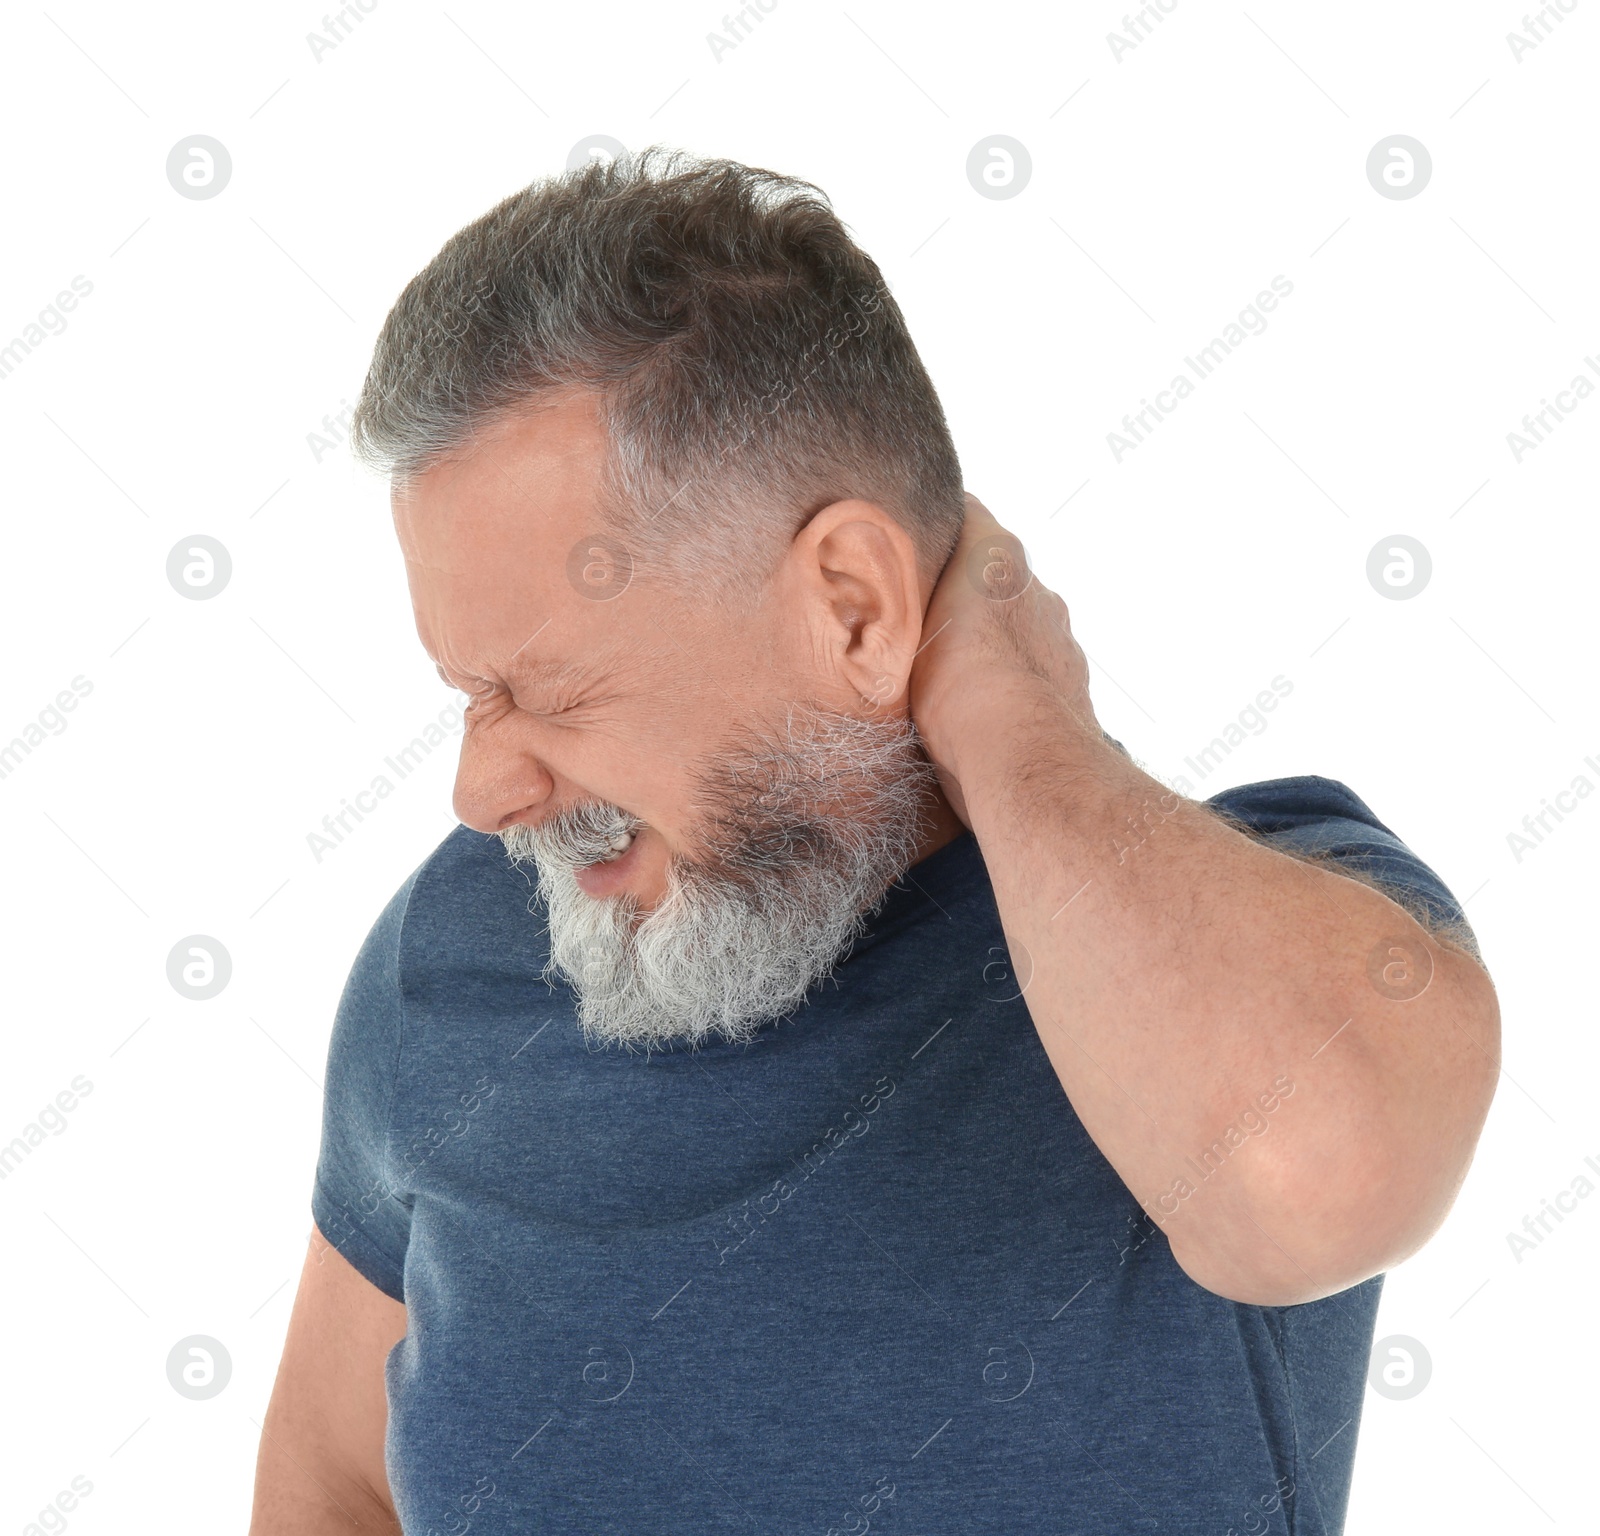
[(1348, 1195), (1291, 1238)]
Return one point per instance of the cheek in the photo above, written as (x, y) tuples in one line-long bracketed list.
[(679, 762), (648, 767), (653, 754)]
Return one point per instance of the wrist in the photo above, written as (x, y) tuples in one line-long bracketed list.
[(999, 724)]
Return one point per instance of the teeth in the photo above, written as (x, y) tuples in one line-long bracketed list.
[(619, 846)]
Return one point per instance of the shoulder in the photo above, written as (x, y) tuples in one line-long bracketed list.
[(466, 918), (455, 953), (468, 912), (1326, 822), (1307, 799)]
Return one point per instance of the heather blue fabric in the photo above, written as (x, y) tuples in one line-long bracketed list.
[(867, 1270)]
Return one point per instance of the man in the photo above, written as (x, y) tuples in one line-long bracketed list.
[(824, 1082)]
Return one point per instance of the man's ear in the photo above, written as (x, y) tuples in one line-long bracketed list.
[(860, 580)]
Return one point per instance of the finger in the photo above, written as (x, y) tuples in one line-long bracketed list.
[(980, 522)]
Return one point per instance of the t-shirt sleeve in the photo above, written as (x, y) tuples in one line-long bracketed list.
[(1326, 822), (353, 1202)]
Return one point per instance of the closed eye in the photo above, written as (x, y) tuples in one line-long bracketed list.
[(553, 709), (558, 699)]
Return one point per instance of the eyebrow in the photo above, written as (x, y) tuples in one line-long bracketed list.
[(548, 676)]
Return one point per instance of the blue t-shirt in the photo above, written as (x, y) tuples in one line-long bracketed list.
[(867, 1271)]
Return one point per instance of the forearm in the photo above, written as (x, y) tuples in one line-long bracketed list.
[(1207, 1006)]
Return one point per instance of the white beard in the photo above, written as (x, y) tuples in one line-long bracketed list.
[(801, 840)]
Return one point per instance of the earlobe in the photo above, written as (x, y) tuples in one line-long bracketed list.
[(865, 568), (885, 694)]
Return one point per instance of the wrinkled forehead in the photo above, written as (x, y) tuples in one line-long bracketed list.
[(493, 524), (527, 486), (505, 614), (511, 568)]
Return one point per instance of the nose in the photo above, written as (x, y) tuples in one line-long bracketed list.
[(500, 780)]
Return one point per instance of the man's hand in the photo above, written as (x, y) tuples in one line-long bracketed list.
[(993, 633), (1177, 969)]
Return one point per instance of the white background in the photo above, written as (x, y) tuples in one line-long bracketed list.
[(1168, 187)]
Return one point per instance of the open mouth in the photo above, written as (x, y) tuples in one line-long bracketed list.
[(609, 874)]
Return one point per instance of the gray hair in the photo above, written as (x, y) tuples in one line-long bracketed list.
[(749, 363)]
